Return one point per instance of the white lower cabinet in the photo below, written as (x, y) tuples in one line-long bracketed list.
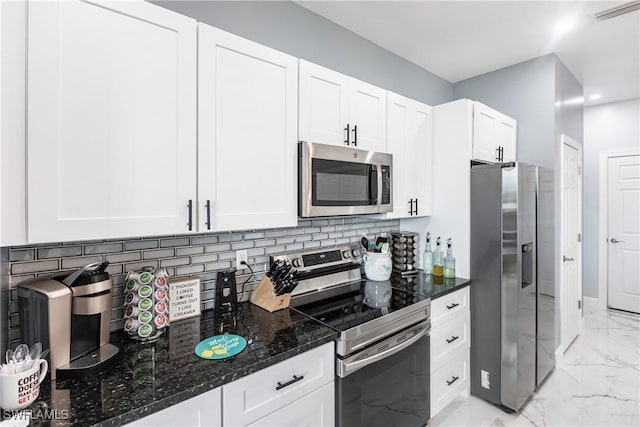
[(250, 399), (295, 392), (450, 344), (203, 410)]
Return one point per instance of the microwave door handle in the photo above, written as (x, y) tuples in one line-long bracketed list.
[(379, 186), (374, 184)]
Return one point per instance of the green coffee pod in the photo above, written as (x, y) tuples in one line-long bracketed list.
[(145, 317), (145, 304), (131, 285), (145, 330), (145, 278), (145, 291)]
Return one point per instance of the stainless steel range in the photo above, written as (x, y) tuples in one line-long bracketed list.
[(382, 353)]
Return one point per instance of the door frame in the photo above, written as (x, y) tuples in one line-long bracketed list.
[(566, 140), (603, 219)]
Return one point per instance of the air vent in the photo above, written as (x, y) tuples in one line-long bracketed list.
[(616, 11)]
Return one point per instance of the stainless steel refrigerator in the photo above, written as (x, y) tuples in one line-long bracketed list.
[(510, 341)]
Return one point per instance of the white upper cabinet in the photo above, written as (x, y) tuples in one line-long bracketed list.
[(409, 139), (247, 105), (494, 135), (111, 148), (340, 110)]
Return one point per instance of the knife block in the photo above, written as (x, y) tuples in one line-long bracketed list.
[(264, 296)]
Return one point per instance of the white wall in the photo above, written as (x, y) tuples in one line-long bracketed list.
[(607, 127)]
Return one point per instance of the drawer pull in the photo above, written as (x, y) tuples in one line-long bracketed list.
[(453, 380), (452, 339), (454, 305), (288, 383)]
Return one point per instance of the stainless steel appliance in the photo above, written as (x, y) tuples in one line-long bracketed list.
[(334, 180), (382, 352), (504, 295), (70, 314), (545, 298)]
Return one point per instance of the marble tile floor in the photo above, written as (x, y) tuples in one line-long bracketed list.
[(597, 382)]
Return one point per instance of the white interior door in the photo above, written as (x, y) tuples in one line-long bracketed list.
[(623, 204), (571, 288)]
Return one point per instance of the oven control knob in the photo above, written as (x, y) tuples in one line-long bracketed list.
[(346, 254), (295, 262), (355, 253)]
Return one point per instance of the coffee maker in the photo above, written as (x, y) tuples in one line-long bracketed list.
[(70, 314)]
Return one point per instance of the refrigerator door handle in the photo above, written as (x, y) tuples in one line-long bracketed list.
[(527, 264)]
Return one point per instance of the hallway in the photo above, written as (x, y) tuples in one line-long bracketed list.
[(596, 384)]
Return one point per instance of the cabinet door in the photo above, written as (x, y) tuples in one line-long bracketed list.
[(313, 410), (202, 410), (506, 138), (247, 147), (398, 130), (367, 116), (322, 105), (420, 153), (409, 140), (484, 133), (111, 120)]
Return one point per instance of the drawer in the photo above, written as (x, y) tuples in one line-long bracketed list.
[(449, 381), (259, 394), (313, 410), (448, 306), (450, 337)]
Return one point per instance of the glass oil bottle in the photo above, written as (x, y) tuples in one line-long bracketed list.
[(438, 260), (449, 262), (427, 257)]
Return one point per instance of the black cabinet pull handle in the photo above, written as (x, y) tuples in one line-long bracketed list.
[(346, 141), (411, 208), (416, 211), (355, 135), (502, 154), (498, 154), (208, 205), (190, 206), (453, 380), (288, 383), (454, 305), (452, 339)]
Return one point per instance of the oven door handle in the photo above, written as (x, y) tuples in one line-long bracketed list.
[(348, 368)]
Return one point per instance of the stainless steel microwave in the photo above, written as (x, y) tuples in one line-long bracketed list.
[(334, 180)]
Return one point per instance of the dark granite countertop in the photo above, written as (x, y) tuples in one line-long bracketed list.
[(429, 285), (148, 377)]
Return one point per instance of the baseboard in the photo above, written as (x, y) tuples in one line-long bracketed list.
[(559, 355)]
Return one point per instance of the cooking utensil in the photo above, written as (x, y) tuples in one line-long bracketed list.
[(385, 248), (9, 355), (365, 242)]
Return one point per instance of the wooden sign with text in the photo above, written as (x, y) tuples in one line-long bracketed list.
[(184, 299)]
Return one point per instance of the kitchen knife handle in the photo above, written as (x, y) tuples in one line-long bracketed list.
[(208, 206), (355, 135), (190, 206), (346, 141)]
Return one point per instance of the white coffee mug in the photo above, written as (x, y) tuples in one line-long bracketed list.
[(20, 390)]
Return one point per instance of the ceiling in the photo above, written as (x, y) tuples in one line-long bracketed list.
[(460, 39)]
